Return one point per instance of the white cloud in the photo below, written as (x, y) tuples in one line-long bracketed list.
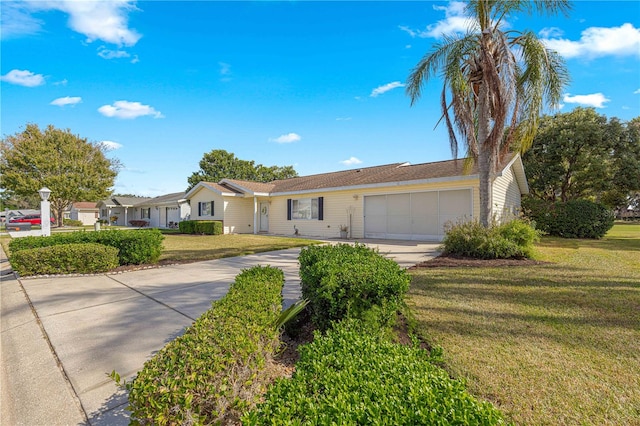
[(23, 78), (637, 92), (110, 145), (599, 41), (61, 82), (67, 100), (550, 32), (129, 110), (385, 88), (135, 59), (351, 161), (225, 69), (343, 119), (105, 20), (16, 20), (288, 138), (455, 22), (596, 100), (105, 53)]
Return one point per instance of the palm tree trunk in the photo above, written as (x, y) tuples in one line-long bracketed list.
[(484, 157)]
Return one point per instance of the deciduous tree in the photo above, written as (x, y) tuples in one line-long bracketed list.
[(219, 164), (70, 166), (582, 154)]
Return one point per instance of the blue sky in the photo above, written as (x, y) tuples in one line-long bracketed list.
[(317, 85)]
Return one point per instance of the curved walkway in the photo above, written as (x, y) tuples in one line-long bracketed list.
[(62, 336)]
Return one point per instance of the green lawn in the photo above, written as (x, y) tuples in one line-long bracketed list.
[(557, 343), (192, 248)]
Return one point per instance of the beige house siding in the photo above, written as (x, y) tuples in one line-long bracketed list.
[(238, 215), (205, 196), (506, 195), (338, 205)]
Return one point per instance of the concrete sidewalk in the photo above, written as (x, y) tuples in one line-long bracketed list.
[(62, 336)]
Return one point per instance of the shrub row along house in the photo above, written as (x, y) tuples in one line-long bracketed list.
[(394, 201)]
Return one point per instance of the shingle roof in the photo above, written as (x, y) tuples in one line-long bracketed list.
[(396, 172), (385, 174), (163, 199), (251, 186), (85, 205), (221, 187)]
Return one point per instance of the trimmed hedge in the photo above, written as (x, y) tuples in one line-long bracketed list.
[(573, 219), (216, 369), (65, 259), (353, 376), (514, 239), (345, 281), (134, 246), (73, 222), (202, 227)]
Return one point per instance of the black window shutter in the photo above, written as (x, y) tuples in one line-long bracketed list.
[(199, 209), (288, 208), (320, 208), (212, 214)]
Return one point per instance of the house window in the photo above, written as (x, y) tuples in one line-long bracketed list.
[(105, 213), (305, 208), (145, 213), (205, 208)]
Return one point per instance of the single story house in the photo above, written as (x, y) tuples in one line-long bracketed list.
[(394, 201), (164, 211), (119, 210), (85, 211)]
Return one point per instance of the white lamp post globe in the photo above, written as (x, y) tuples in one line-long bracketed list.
[(44, 193)]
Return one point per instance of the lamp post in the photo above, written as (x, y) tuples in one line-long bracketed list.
[(45, 211)]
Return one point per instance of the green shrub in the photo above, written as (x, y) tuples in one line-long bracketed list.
[(73, 222), (65, 259), (345, 281), (573, 219), (216, 369), (134, 246), (353, 376), (514, 239), (202, 227)]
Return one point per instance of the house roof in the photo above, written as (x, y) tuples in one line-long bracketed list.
[(85, 205), (123, 201), (249, 186), (173, 198), (363, 177)]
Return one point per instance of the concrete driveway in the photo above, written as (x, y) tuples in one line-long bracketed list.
[(61, 336)]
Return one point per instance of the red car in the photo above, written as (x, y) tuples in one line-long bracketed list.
[(33, 219)]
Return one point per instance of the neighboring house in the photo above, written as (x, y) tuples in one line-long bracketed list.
[(165, 211), (84, 211), (119, 210), (394, 201)]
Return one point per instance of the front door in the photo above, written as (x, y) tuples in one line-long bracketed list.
[(264, 217)]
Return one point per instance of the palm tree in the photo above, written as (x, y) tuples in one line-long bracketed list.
[(498, 81)]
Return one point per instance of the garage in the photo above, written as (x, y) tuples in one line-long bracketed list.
[(416, 215)]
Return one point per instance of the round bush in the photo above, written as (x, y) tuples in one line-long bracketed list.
[(345, 281), (573, 219)]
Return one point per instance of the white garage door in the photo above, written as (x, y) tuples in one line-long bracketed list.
[(414, 216), (173, 215)]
